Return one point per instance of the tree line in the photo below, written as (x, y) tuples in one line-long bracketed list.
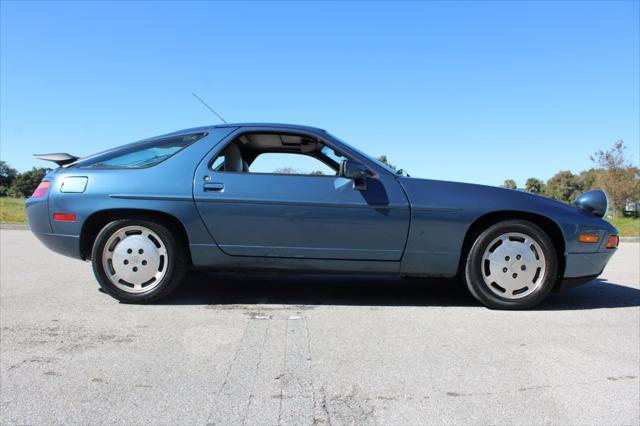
[(19, 185), (612, 172)]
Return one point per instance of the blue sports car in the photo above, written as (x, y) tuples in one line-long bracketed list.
[(296, 198)]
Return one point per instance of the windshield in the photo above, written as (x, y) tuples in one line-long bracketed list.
[(368, 157)]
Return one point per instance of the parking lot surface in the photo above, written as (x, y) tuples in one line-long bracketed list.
[(253, 349)]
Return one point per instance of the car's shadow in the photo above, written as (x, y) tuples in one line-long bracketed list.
[(248, 289)]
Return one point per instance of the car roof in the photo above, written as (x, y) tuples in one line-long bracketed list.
[(282, 125), (278, 125)]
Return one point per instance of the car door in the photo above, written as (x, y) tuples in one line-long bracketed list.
[(302, 216)]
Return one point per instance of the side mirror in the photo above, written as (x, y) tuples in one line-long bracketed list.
[(355, 171)]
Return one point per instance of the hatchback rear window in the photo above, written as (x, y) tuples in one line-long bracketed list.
[(139, 155)]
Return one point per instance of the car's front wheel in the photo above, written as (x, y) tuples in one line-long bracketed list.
[(137, 261), (511, 265)]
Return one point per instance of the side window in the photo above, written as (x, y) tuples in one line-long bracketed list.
[(230, 160), (143, 154), (285, 163), (278, 153), (218, 163)]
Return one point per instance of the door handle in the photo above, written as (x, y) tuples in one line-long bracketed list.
[(213, 186)]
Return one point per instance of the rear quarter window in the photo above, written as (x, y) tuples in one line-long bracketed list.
[(139, 155)]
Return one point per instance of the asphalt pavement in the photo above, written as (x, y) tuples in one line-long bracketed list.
[(258, 349)]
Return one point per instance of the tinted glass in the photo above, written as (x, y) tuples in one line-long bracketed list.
[(143, 154)]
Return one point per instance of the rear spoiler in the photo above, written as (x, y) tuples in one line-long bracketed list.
[(60, 158)]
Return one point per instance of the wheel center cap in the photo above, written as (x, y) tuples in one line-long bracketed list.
[(136, 259)]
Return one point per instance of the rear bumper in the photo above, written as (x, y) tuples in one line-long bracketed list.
[(37, 210), (68, 245)]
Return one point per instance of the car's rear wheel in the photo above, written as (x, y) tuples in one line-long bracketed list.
[(137, 261), (511, 265)]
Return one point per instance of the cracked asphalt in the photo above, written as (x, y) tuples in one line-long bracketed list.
[(233, 349)]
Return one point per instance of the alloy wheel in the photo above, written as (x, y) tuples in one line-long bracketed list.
[(135, 259), (513, 265)]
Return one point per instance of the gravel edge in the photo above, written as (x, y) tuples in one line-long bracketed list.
[(18, 226), (630, 239)]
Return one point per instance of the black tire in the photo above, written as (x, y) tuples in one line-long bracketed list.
[(176, 262), (473, 264)]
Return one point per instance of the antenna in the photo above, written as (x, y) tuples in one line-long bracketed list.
[(209, 108)]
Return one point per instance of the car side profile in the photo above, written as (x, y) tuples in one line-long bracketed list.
[(298, 199)]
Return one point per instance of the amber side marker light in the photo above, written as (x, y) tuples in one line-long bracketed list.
[(586, 238), (64, 217), (613, 242)]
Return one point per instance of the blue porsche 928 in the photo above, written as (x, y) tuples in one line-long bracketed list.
[(298, 199)]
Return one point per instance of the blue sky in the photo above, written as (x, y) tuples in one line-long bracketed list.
[(465, 91)]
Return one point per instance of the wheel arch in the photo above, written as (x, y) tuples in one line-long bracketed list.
[(94, 223), (548, 225)]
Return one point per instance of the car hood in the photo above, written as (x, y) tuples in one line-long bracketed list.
[(476, 200), (450, 191)]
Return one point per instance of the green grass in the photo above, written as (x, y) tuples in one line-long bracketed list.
[(627, 226), (12, 210)]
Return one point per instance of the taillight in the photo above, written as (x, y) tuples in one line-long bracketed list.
[(613, 242), (41, 190)]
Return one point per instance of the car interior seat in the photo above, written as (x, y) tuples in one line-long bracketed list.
[(233, 161)]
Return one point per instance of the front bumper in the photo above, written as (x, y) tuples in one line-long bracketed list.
[(567, 283), (581, 268), (585, 264)]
